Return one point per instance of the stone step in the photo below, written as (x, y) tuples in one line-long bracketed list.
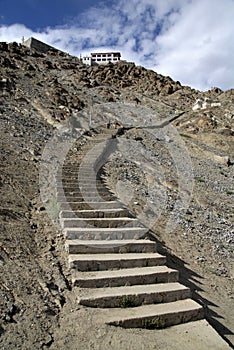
[(86, 199), (91, 205), (70, 183), (92, 185), (68, 187), (99, 222), (83, 165), (132, 296), (84, 194), (98, 262), (75, 162), (87, 170), (78, 191), (95, 233), (156, 316), (83, 182), (128, 277), (81, 176), (104, 213), (77, 183), (88, 159), (75, 173), (72, 172), (68, 176), (88, 178), (88, 174), (76, 186), (77, 246)]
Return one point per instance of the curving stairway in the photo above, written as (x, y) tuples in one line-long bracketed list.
[(113, 264)]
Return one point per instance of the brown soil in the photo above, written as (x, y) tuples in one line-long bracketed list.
[(38, 308)]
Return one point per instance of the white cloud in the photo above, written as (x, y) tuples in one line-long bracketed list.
[(199, 46), (189, 40), (14, 33)]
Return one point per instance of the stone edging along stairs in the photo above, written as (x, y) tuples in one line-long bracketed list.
[(113, 264)]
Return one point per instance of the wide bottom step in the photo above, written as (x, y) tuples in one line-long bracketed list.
[(157, 316)]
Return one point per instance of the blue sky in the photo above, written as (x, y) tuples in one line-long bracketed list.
[(37, 14), (189, 40)]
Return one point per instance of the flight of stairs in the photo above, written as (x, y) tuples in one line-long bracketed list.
[(113, 264)]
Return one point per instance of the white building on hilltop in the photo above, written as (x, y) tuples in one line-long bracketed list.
[(97, 58)]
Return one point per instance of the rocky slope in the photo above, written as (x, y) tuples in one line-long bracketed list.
[(42, 94)]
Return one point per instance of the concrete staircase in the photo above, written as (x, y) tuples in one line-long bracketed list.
[(114, 266)]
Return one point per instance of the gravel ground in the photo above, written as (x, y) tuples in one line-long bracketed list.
[(177, 177)]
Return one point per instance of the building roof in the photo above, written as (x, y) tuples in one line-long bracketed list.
[(105, 53)]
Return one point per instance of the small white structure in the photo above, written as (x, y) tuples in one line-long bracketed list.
[(215, 104), (97, 58), (198, 104), (205, 103)]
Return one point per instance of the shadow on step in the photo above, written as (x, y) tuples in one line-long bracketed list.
[(192, 280)]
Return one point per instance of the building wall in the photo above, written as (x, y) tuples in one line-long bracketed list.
[(33, 43), (102, 58), (87, 60)]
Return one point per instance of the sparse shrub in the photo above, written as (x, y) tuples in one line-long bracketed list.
[(186, 135), (200, 179), (154, 323), (126, 302), (229, 192)]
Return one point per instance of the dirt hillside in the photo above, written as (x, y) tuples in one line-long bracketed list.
[(176, 161)]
